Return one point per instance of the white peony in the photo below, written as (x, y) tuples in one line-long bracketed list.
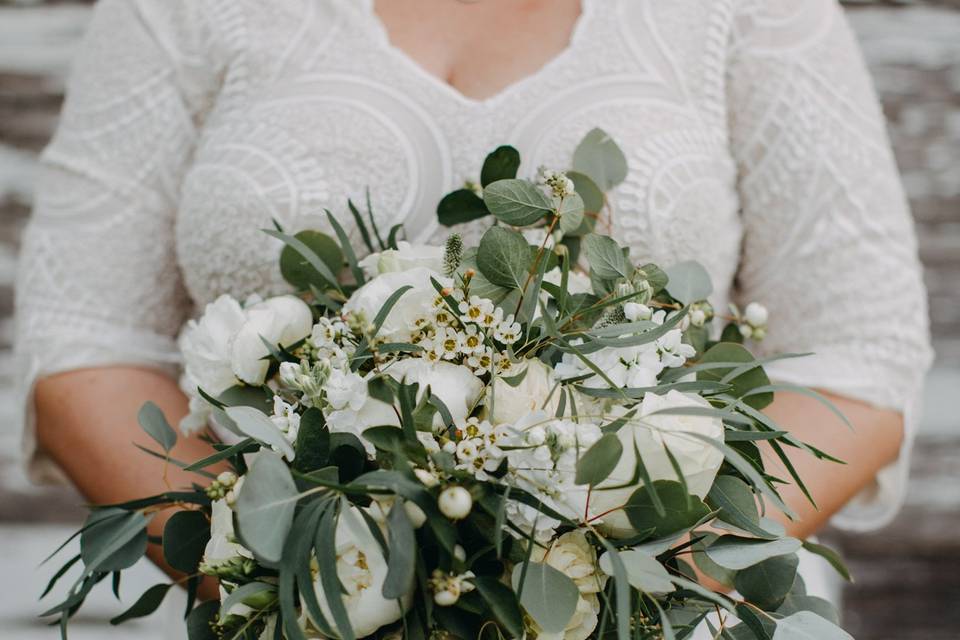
[(405, 257), (206, 345), (573, 556), (510, 404), (362, 569), (455, 385), (651, 434), (283, 320), (399, 325)]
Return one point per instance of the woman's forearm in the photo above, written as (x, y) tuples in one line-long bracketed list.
[(872, 443), (87, 422)]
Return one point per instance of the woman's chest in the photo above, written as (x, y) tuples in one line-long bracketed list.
[(337, 111)]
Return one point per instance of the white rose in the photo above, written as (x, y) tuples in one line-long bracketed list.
[(206, 345), (573, 556), (283, 320), (405, 257), (698, 460), (415, 303), (362, 570)]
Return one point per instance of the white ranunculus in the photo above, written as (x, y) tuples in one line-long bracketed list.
[(573, 556), (283, 320), (362, 569), (405, 257), (698, 460), (415, 303), (206, 345)]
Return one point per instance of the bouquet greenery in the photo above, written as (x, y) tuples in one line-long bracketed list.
[(486, 441)]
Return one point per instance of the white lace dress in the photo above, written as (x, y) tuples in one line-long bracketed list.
[(754, 139)]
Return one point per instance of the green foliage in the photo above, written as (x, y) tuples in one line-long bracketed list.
[(688, 282), (146, 604), (607, 259), (806, 625), (599, 157), (502, 164), (644, 572), (742, 383), (153, 421), (309, 258), (516, 202), (599, 461), (313, 442), (735, 552), (461, 206), (113, 539), (504, 257), (680, 510), (402, 544), (185, 536), (265, 507), (767, 583), (549, 596)]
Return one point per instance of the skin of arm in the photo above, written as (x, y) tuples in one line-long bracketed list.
[(87, 422)]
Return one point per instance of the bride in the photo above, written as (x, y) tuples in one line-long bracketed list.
[(755, 146)]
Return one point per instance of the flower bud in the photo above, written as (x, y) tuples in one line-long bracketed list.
[(455, 503), (636, 311), (446, 598), (756, 314), (227, 478), (428, 478), (415, 513)]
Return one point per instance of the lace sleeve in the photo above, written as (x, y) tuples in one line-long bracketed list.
[(829, 244), (98, 281)]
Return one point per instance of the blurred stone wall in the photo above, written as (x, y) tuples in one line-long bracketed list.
[(908, 583)]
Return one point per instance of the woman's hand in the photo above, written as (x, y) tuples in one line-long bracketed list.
[(87, 422)]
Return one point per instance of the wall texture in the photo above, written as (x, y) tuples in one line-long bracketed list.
[(913, 49)]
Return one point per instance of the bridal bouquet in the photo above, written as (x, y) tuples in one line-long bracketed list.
[(533, 437)]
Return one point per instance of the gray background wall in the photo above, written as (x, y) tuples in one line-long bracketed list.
[(908, 576)]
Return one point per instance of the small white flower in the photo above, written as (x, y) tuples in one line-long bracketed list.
[(346, 389), (491, 318), (455, 503), (507, 331), (698, 317), (635, 311), (474, 310), (471, 341)]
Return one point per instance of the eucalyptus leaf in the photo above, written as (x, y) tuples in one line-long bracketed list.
[(258, 425), (548, 595), (265, 507), (516, 202), (599, 157), (680, 510), (743, 383), (571, 213), (461, 206), (643, 571), (767, 583), (688, 282), (113, 539), (734, 552), (501, 164), (600, 460), (153, 421), (503, 604), (147, 603), (185, 537), (403, 553), (310, 257), (606, 257), (504, 257), (806, 625)]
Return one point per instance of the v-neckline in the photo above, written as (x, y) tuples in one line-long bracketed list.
[(382, 35)]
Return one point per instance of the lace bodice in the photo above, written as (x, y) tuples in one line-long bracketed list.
[(753, 135)]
